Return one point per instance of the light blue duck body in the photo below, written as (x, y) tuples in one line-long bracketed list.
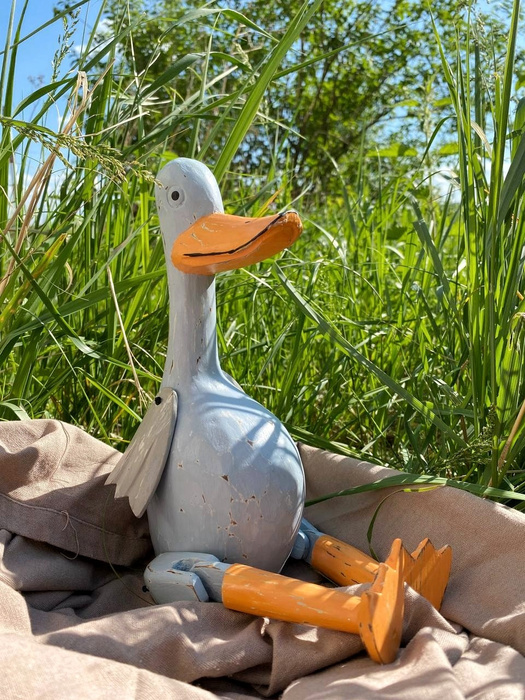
[(231, 483)]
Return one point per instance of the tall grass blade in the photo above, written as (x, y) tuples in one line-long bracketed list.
[(326, 328), (249, 110)]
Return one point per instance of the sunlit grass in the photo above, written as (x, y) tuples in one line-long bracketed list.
[(393, 329)]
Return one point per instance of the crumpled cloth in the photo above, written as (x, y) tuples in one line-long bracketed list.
[(74, 625)]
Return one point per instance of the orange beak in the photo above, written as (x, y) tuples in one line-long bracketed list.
[(220, 242)]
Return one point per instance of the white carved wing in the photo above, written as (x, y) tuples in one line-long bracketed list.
[(138, 471)]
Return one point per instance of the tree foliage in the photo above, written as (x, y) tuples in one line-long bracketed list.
[(361, 73)]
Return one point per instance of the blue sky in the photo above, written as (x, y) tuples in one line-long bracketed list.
[(35, 55)]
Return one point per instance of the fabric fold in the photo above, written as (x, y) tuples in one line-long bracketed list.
[(75, 620)]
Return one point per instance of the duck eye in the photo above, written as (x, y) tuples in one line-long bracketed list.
[(175, 196)]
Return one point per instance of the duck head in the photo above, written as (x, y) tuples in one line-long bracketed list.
[(200, 238)]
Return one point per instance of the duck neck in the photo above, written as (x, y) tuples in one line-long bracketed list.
[(192, 343)]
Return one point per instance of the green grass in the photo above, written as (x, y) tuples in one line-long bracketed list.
[(392, 331)]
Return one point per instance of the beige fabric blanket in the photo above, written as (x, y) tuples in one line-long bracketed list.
[(71, 625)]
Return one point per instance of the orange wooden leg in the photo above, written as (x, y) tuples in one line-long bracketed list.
[(377, 615), (426, 570), (342, 563)]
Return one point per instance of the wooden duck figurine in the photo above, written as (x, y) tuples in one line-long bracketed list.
[(218, 473)]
